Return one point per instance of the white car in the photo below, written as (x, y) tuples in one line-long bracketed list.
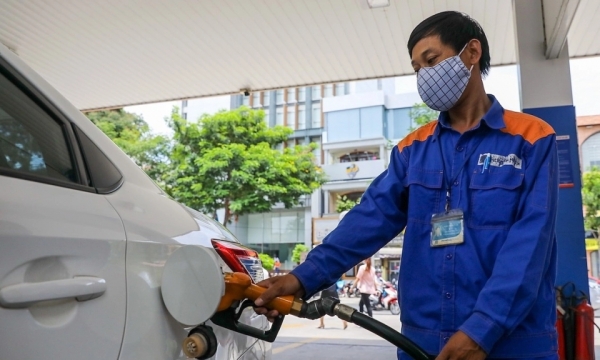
[(85, 236)]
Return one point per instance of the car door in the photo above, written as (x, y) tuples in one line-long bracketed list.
[(62, 245)]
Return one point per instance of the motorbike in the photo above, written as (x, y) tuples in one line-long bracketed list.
[(349, 290), (386, 298)]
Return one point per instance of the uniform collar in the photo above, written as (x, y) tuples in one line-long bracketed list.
[(494, 118)]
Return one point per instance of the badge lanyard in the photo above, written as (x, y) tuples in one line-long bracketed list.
[(448, 182)]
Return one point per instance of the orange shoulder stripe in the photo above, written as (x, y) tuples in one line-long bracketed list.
[(528, 126), (421, 134)]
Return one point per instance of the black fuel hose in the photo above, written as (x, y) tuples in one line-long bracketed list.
[(332, 307), (389, 334)]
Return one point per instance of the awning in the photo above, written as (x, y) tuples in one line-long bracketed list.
[(112, 53)]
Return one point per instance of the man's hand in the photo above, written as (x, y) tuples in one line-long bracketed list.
[(461, 347), (277, 286)]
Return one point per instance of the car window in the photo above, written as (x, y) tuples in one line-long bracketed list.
[(31, 142)]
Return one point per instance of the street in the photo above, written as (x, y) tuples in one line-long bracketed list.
[(300, 339)]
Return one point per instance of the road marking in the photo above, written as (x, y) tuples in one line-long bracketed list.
[(293, 346)]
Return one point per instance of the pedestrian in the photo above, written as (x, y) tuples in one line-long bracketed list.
[(276, 265), (482, 285), (365, 280), (332, 293)]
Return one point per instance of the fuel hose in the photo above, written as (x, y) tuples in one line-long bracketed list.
[(389, 334)]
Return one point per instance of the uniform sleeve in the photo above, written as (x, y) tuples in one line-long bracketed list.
[(379, 217), (524, 259)]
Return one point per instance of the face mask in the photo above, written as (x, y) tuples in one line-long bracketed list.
[(441, 86)]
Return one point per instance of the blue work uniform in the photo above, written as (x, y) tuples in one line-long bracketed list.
[(497, 286)]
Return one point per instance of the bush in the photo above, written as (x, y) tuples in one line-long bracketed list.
[(297, 252), (267, 261)]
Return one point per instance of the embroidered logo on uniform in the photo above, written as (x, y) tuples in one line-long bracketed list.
[(500, 160)]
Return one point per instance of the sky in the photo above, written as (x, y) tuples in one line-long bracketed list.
[(502, 82)]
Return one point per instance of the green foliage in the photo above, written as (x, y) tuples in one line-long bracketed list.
[(132, 134), (297, 252), (343, 204), (228, 161), (267, 261), (421, 114), (591, 198)]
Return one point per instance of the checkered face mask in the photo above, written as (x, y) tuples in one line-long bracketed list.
[(441, 86)]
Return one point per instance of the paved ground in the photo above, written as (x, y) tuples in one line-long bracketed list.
[(299, 339)]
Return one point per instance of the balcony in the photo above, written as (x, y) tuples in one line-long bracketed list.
[(348, 171)]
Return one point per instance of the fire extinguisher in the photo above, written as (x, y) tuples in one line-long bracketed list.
[(560, 329), (584, 330)]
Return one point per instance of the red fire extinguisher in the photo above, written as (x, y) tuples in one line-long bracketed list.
[(560, 329), (584, 331)]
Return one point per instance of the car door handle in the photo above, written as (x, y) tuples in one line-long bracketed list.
[(81, 288)]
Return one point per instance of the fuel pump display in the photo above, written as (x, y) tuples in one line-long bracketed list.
[(240, 293)]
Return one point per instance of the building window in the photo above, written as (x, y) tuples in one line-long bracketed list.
[(340, 89), (316, 115), (301, 94), (291, 143), (184, 103), (279, 97), (276, 227), (245, 100), (590, 152), (256, 99), (291, 117), (291, 95), (301, 117), (328, 90), (267, 117), (317, 151), (279, 116), (316, 92), (266, 98), (398, 124)]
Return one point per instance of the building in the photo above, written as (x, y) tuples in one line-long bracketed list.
[(360, 130)]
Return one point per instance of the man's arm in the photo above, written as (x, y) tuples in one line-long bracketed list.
[(366, 228), (510, 293)]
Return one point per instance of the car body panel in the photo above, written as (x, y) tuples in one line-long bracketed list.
[(57, 234)]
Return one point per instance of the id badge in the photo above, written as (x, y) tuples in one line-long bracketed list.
[(447, 228)]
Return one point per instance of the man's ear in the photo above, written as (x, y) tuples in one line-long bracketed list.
[(473, 53)]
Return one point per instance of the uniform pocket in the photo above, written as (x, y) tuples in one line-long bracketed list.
[(424, 189), (494, 197)]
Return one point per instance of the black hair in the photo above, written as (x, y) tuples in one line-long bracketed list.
[(455, 29)]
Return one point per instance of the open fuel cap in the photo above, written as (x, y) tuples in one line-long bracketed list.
[(192, 284)]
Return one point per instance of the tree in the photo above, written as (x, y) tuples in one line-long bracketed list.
[(297, 252), (228, 161), (267, 261), (132, 134), (421, 114), (345, 204), (591, 198)]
